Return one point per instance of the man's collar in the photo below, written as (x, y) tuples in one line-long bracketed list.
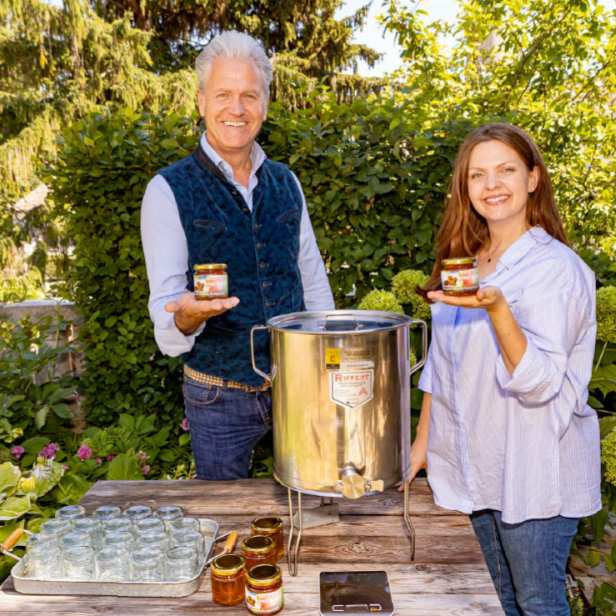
[(257, 155), (522, 246)]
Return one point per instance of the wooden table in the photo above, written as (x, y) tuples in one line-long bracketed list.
[(447, 578)]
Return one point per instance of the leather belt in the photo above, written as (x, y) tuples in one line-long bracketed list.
[(218, 382)]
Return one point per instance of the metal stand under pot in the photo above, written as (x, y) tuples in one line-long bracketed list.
[(341, 384)]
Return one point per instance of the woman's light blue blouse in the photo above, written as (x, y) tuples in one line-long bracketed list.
[(526, 445)]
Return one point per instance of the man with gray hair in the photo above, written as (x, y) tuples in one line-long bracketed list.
[(226, 203)]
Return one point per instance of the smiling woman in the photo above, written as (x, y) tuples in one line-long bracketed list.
[(505, 429)]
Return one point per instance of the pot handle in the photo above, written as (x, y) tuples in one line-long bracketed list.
[(424, 345), (341, 316), (267, 377)]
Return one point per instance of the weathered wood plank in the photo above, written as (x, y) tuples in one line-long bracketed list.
[(250, 497), (367, 526), (448, 576)]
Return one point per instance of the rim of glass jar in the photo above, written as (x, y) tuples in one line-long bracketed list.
[(188, 536), (60, 523), (72, 539), (261, 576), (119, 538), (78, 552), (157, 522), (258, 544), (459, 261), (181, 553), (137, 512), (266, 525), (87, 524), (228, 564), (111, 553), (173, 525), (37, 539), (169, 513), (70, 511), (42, 552), (101, 512), (125, 523), (146, 555)]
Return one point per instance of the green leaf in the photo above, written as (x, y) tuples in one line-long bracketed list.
[(184, 439), (41, 416), (9, 478), (594, 558), (59, 394), (35, 444), (169, 144), (14, 507), (124, 468)]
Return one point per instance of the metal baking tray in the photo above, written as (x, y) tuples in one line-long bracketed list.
[(30, 586)]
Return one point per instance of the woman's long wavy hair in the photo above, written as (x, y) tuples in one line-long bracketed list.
[(464, 232)]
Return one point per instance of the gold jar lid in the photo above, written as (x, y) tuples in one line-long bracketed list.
[(460, 261), (258, 544), (210, 266), (263, 575), (266, 526), (228, 564)]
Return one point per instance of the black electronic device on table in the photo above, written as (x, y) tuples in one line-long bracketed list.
[(354, 593)]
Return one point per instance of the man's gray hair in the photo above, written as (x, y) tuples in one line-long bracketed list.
[(235, 46)]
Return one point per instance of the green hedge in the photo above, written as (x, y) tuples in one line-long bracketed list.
[(374, 184)]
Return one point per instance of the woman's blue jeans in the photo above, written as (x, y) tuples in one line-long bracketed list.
[(225, 425), (527, 561)]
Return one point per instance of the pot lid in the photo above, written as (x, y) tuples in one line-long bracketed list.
[(339, 321)]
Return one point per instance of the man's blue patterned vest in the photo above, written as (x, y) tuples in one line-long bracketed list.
[(260, 249)]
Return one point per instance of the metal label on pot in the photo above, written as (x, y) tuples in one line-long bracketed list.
[(351, 389)]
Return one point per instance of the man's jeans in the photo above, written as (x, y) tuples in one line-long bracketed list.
[(225, 425), (527, 561)]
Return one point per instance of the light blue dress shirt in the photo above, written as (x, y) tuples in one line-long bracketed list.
[(166, 252), (528, 444)]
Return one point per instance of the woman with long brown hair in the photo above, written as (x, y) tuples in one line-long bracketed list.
[(505, 431)]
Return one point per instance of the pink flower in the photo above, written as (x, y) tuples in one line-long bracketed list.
[(145, 469), (110, 457), (49, 451), (142, 457), (98, 461), (18, 451), (65, 467), (84, 452), (184, 424)]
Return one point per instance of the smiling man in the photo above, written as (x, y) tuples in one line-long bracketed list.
[(227, 203)]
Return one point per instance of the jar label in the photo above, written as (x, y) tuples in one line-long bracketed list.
[(264, 602), (211, 286), (460, 280), (351, 389)]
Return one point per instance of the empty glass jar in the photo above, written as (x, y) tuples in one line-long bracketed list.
[(44, 563), (181, 564), (113, 565), (79, 563), (55, 527), (137, 512), (72, 512), (92, 527), (119, 540), (154, 539), (190, 539), (71, 540), (147, 565), (107, 512), (118, 525), (41, 539), (149, 525), (169, 513), (183, 524)]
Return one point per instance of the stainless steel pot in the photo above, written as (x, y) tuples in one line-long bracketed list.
[(341, 400), (341, 405)]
